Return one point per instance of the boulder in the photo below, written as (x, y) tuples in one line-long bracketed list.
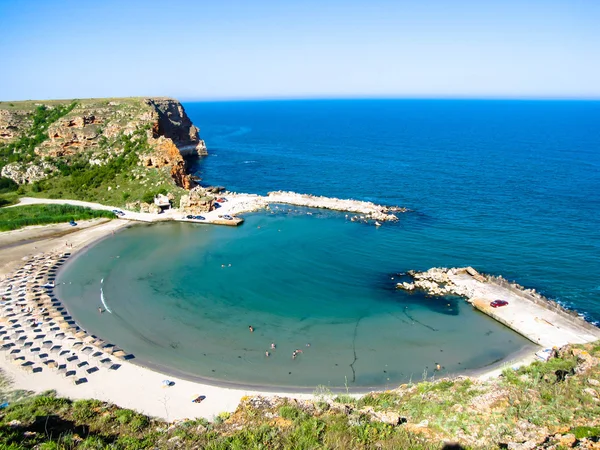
[(28, 173)]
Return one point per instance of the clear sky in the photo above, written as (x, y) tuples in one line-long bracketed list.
[(227, 49)]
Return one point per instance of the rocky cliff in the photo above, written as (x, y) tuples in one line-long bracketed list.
[(95, 149), (46, 140)]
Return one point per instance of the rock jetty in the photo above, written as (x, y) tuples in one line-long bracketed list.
[(539, 319), (368, 210)]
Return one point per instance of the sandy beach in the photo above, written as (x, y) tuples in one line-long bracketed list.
[(129, 386), (43, 348)]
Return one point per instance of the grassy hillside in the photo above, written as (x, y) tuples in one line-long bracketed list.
[(546, 405), (111, 151)]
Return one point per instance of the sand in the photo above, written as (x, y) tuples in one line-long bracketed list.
[(128, 386)]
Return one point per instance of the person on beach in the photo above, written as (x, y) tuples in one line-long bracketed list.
[(251, 328)]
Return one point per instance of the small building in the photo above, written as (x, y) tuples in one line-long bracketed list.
[(162, 201)]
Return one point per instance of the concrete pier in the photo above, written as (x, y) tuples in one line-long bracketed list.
[(540, 320)]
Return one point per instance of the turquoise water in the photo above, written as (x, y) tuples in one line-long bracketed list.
[(298, 279), (510, 188)]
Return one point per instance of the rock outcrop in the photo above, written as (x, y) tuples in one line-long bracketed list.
[(170, 134), (27, 173), (197, 201)]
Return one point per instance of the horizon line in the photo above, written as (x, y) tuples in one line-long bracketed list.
[(325, 97), (388, 97)]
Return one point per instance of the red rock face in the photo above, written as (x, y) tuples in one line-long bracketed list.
[(167, 154)]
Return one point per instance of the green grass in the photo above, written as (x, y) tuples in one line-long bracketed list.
[(118, 180), (21, 216), (451, 410)]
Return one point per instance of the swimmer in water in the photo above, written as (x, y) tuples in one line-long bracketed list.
[(273, 346), (251, 328), (267, 353), (100, 310), (294, 355), (438, 367)]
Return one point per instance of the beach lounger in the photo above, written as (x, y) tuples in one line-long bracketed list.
[(80, 381)]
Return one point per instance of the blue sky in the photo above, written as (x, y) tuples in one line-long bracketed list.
[(297, 49)]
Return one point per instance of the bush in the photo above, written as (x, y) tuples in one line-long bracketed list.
[(22, 216), (148, 197), (7, 185), (84, 410), (289, 412), (139, 422), (124, 416)]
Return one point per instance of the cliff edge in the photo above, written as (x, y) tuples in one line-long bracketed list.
[(85, 148)]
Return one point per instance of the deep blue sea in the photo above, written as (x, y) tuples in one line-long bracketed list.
[(509, 187)]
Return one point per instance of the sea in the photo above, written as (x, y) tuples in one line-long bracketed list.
[(511, 188)]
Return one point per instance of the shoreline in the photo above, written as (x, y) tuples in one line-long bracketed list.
[(139, 386), (511, 359)]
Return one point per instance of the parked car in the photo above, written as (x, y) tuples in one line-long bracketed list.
[(221, 199), (199, 218), (498, 303), (189, 216), (72, 223), (228, 217)]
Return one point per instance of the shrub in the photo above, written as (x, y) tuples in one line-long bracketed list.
[(586, 432), (139, 422), (7, 185), (124, 416), (289, 412), (84, 410), (148, 197)]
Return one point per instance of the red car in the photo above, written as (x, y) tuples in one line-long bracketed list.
[(498, 303)]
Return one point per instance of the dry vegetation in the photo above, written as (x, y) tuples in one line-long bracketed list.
[(546, 405)]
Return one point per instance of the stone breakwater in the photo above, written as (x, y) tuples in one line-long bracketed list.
[(368, 210), (38, 334), (537, 318), (240, 203)]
